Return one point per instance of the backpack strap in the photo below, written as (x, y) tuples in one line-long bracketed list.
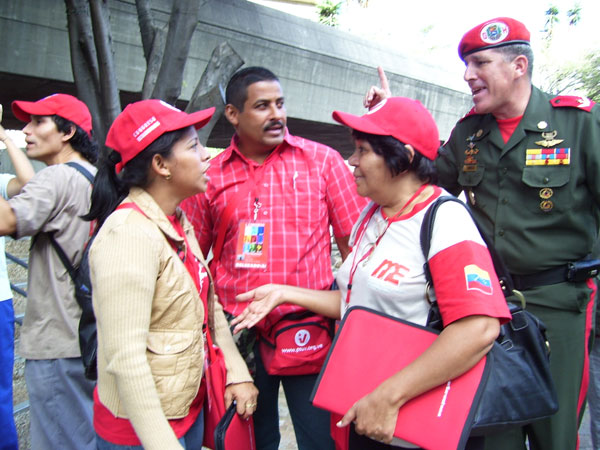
[(62, 256), (59, 251), (502, 272), (82, 170)]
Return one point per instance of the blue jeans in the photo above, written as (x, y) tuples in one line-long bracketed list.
[(192, 440), (7, 358), (311, 424)]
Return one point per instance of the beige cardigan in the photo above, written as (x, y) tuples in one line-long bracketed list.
[(149, 317)]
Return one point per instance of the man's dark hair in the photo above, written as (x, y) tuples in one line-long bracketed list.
[(80, 141), (236, 93), (397, 157), (510, 52)]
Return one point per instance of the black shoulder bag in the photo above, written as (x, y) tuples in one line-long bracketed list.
[(519, 389)]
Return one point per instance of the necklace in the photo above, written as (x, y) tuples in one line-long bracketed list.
[(371, 249)]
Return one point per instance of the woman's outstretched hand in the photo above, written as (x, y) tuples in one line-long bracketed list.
[(262, 300)]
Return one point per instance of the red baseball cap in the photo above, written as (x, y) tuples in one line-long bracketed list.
[(141, 123), (493, 34), (403, 118), (63, 105)]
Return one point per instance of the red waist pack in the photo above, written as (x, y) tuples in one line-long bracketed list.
[(297, 344)]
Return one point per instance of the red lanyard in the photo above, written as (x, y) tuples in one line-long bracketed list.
[(362, 231)]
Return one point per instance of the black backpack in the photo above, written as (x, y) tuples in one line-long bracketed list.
[(80, 275)]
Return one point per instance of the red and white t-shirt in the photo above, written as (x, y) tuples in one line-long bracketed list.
[(392, 279)]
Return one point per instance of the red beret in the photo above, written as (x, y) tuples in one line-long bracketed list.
[(492, 34)]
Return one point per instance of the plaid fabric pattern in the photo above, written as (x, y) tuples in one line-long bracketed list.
[(304, 188)]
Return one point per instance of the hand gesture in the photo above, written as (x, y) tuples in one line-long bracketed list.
[(263, 300), (376, 94)]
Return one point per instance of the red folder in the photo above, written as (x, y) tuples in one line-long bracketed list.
[(370, 347)]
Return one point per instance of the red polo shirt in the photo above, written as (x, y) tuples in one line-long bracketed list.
[(304, 188)]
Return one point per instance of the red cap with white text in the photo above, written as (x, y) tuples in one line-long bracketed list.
[(141, 123), (403, 118)]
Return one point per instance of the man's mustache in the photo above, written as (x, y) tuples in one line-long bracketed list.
[(274, 123)]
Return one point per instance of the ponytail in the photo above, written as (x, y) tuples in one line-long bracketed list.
[(108, 190), (111, 188)]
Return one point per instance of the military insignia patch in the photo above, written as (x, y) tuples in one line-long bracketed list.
[(470, 161), (494, 32), (546, 193), (547, 156), (546, 205), (548, 139)]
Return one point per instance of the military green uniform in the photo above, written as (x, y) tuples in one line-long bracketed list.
[(538, 198)]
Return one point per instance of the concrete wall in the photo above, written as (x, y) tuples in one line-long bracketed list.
[(321, 68)]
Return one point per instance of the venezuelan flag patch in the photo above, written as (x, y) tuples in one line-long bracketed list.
[(478, 279), (547, 156)]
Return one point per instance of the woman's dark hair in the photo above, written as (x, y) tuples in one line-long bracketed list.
[(397, 157), (111, 188), (80, 141)]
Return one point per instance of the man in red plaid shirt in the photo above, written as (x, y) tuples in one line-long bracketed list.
[(271, 200)]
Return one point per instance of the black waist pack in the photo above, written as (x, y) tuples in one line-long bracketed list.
[(519, 387)]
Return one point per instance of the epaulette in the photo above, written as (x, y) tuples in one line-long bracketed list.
[(572, 101), (469, 114)]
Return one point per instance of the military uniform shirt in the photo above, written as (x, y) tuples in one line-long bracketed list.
[(536, 196)]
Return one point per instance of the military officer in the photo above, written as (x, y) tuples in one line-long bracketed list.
[(529, 163)]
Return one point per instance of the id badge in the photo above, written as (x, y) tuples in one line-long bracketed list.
[(252, 245)]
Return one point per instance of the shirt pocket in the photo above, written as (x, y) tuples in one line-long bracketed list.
[(168, 351), (549, 188), (472, 176)]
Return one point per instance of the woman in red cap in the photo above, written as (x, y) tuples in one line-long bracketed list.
[(396, 143), (152, 292)]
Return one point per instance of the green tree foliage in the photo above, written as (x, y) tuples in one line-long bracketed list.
[(328, 12), (581, 75), (551, 20), (574, 14)]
